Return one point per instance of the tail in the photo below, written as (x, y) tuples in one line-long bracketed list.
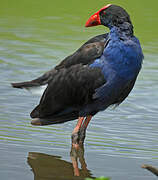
[(26, 84), (42, 80), (55, 119), (61, 117)]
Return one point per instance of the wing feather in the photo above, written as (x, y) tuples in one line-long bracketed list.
[(70, 88)]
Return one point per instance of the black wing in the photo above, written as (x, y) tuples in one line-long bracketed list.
[(86, 54), (68, 92)]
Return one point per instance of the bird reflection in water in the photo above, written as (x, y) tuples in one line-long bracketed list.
[(50, 167), (78, 154)]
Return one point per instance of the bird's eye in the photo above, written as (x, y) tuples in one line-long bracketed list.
[(104, 12)]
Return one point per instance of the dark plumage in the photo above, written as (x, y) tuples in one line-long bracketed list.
[(70, 90), (86, 54), (102, 72)]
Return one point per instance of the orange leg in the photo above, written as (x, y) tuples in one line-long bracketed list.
[(78, 134), (78, 125), (86, 122), (75, 133), (82, 131)]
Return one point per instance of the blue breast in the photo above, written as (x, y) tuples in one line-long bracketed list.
[(120, 57), (120, 63)]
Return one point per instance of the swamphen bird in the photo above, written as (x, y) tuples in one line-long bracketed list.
[(102, 72)]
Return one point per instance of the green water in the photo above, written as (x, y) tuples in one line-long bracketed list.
[(34, 37)]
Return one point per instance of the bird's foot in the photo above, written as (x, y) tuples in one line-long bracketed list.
[(78, 138), (79, 132), (75, 140)]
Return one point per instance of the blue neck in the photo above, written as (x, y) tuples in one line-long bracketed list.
[(124, 31)]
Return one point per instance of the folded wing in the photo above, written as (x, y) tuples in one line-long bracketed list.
[(86, 54), (69, 91)]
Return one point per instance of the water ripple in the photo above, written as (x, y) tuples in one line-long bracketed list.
[(127, 131)]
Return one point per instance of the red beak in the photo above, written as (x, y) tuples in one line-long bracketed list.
[(94, 20)]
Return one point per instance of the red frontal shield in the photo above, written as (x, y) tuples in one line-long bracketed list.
[(94, 20)]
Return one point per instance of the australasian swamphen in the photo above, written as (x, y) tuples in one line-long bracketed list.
[(102, 72)]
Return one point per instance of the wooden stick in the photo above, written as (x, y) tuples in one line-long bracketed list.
[(151, 169)]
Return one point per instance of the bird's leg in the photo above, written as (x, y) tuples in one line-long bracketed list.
[(75, 133), (79, 132), (82, 130)]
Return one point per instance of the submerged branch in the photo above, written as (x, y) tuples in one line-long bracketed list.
[(151, 169)]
